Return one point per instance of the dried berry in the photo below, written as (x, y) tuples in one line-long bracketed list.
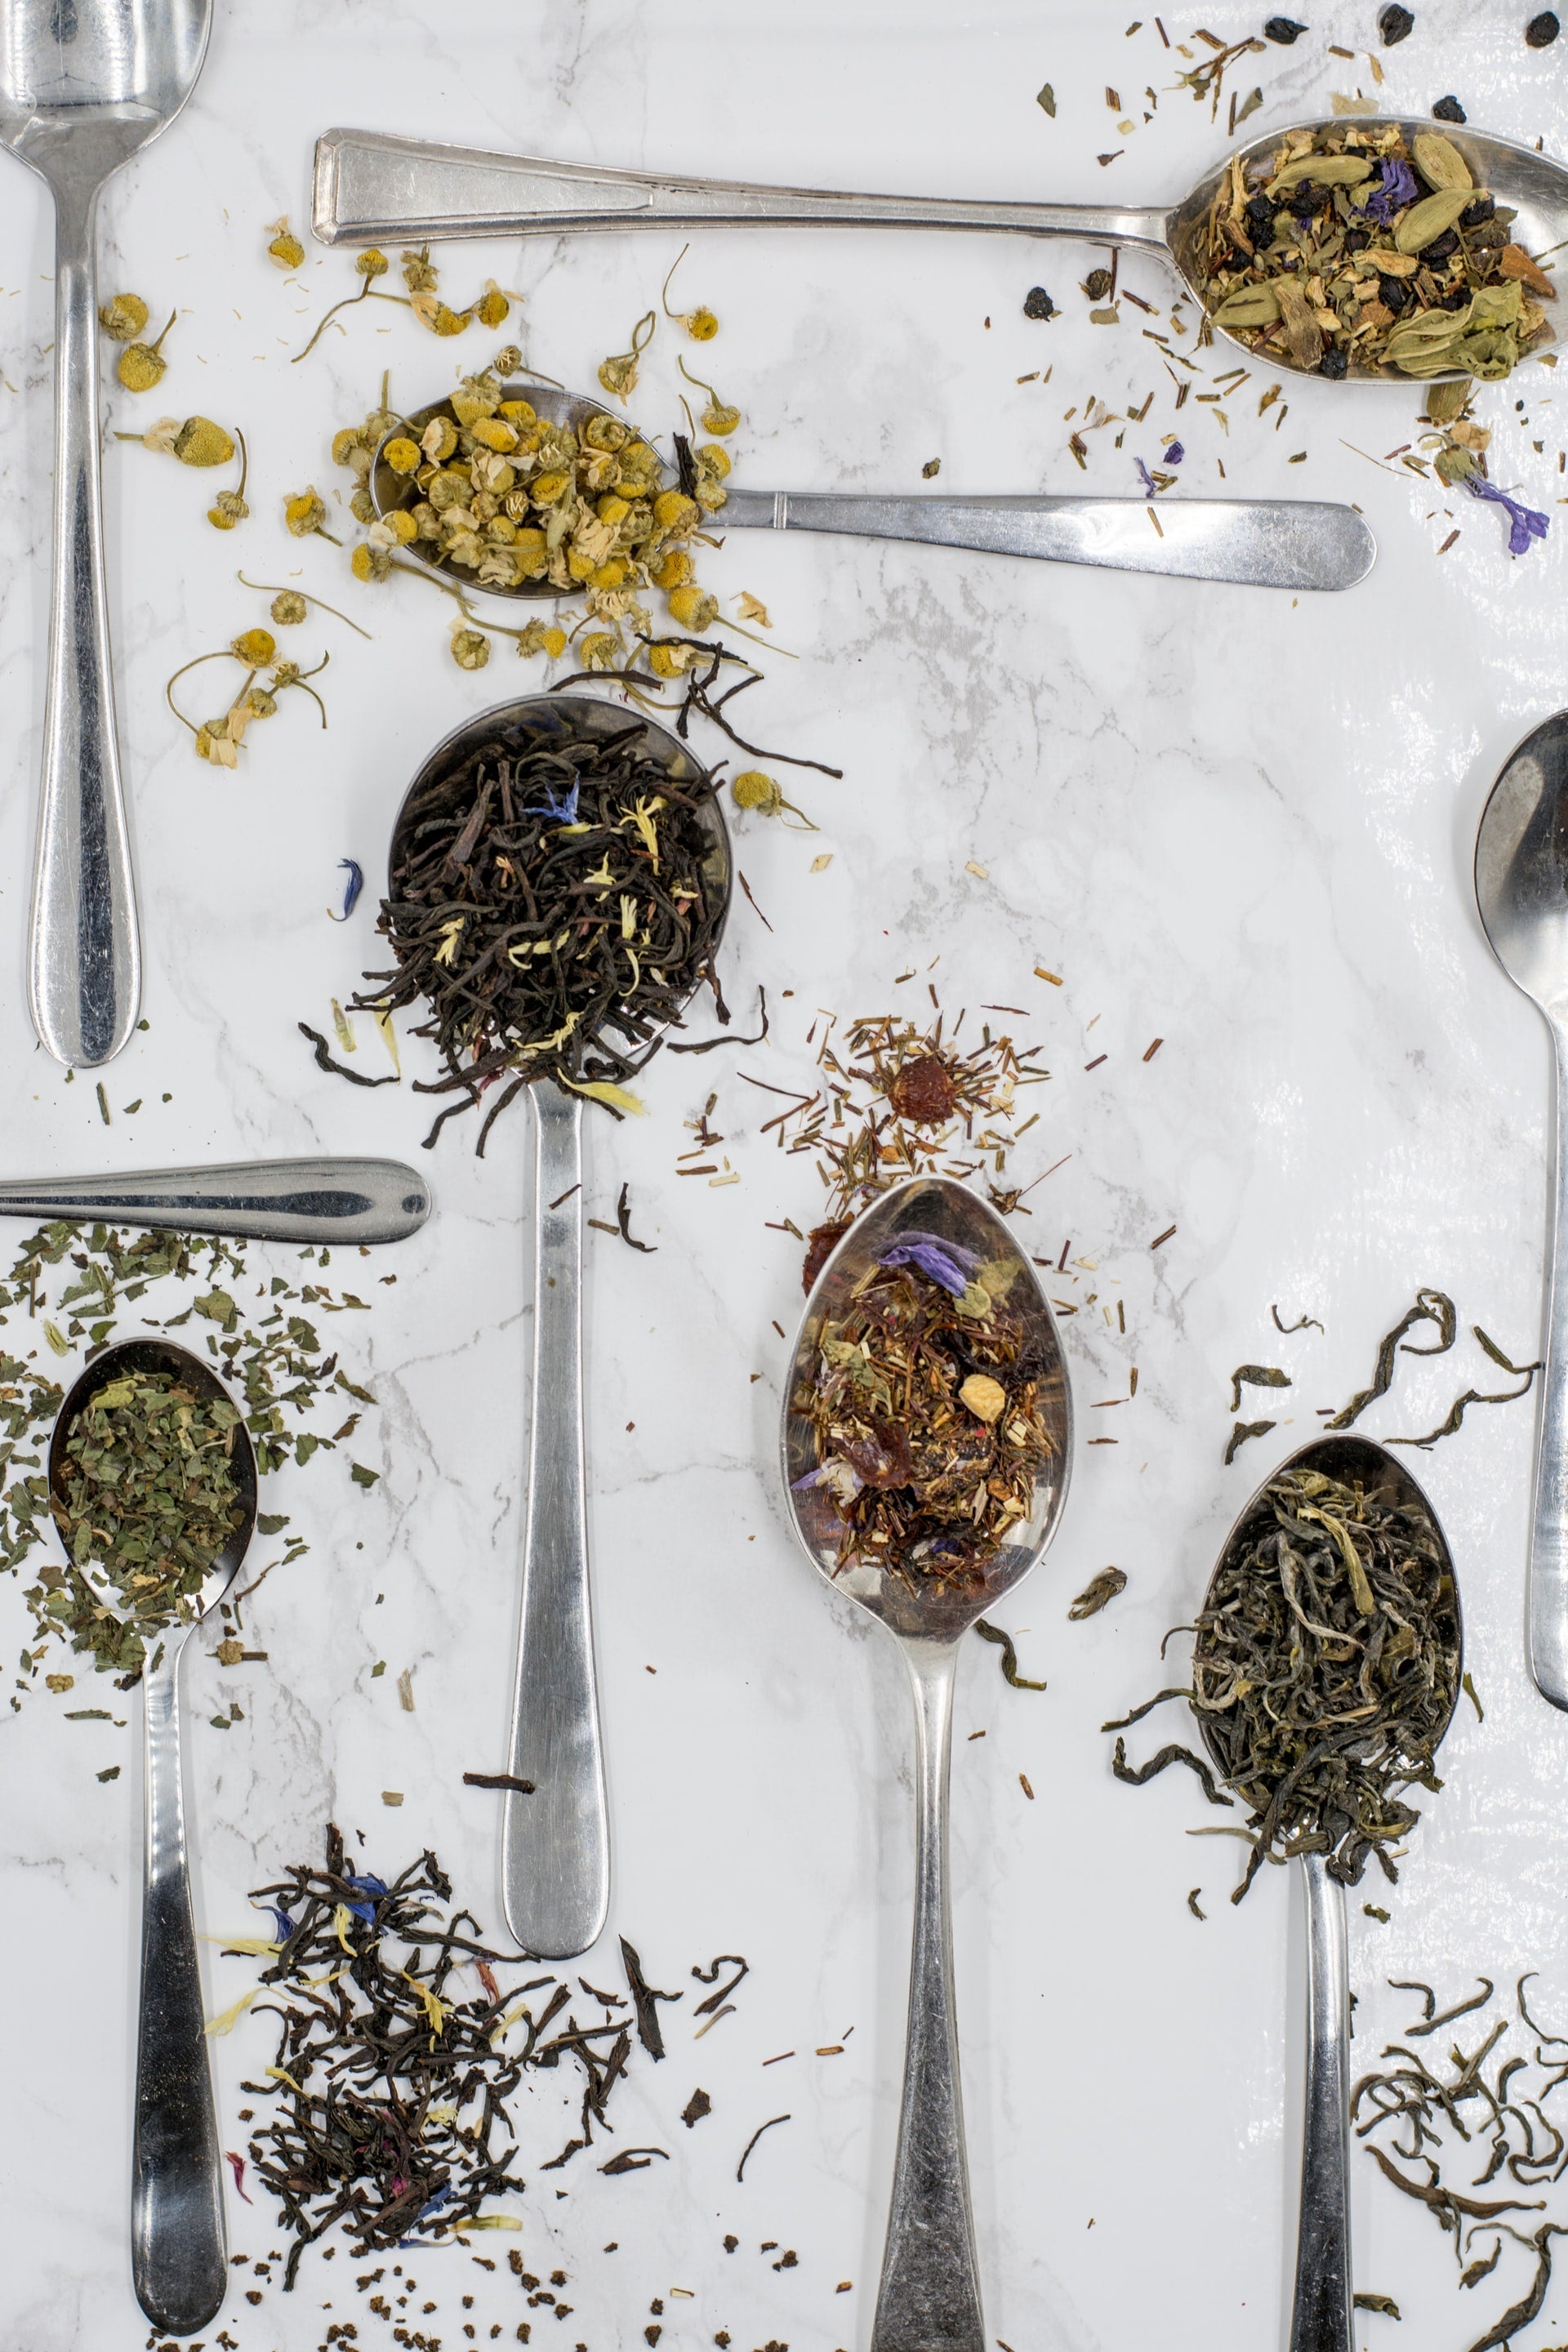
[(1395, 24), (1542, 30), (124, 317), (1284, 30), (1449, 110), (923, 1090), (1037, 304), (1334, 363)]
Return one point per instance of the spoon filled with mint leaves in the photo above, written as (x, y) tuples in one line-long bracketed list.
[(153, 1490)]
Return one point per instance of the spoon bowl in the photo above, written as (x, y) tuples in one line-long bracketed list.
[(1322, 2316), (555, 1853), (372, 189), (930, 2289), (178, 2253)]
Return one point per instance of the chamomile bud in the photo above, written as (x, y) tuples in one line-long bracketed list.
[(674, 511), (669, 661), (372, 262), (284, 249), (346, 445), (693, 607), (124, 317), (470, 648), (255, 648), (362, 505), (753, 790), (599, 649), (259, 703), (200, 442), (711, 495), (402, 454), (368, 562), (141, 366), (674, 571), (303, 514), (228, 510), (445, 321), (711, 459), (492, 308), (289, 608), (700, 325), (507, 360)]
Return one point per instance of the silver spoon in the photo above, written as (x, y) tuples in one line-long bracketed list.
[(556, 1846), (84, 84), (1321, 2317), (372, 188), (1521, 889), (346, 1200), (928, 2299), (178, 2244), (1297, 543)]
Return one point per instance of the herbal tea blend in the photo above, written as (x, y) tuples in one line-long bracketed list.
[(555, 903), (926, 1414), (1324, 1673), (1355, 250), (145, 1501)]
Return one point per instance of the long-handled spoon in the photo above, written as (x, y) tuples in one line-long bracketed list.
[(82, 88), (178, 2245), (1321, 2318), (359, 1200), (555, 1843), (1296, 543), (1521, 889), (928, 2299), (370, 188)]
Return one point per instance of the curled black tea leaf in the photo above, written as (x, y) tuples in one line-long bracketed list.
[(1431, 1307), (645, 2000), (1242, 1432), (1009, 1655), (1255, 1376), (1446, 2016), (1160, 1762), (1302, 1323), (338, 1069), (1100, 1590)]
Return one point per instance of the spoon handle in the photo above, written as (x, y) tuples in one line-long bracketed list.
[(1321, 2318), (928, 2300), (371, 187), (84, 971), (1547, 1585), (1262, 542), (179, 2248), (555, 1843), (267, 1199)]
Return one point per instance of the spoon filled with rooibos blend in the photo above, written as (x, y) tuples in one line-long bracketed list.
[(153, 1488), (558, 882), (1325, 1671), (927, 1441), (1373, 250)]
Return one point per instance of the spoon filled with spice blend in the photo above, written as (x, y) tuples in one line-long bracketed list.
[(1521, 889), (153, 1490), (558, 882), (1325, 1672), (1368, 249), (926, 1445), (82, 90), (527, 490)]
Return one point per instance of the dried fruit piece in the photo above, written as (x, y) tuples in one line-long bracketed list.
[(1449, 110), (986, 1398)]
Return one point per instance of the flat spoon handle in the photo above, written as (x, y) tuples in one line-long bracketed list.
[(371, 187), (1296, 543), (84, 966), (928, 2299), (555, 1843), (179, 2252), (267, 1199), (1546, 1598), (1321, 2317)]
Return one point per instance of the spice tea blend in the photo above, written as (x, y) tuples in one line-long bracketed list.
[(925, 1409), (1357, 250)]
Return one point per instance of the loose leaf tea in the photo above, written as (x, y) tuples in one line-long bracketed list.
[(1325, 1671), (926, 1415), (554, 902), (1099, 1592), (1355, 251), (145, 1501)]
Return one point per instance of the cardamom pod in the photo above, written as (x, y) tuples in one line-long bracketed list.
[(1429, 218), (1328, 171), (1439, 161), (1249, 305)]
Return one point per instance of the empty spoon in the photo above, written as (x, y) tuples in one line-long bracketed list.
[(178, 2244), (1521, 889), (555, 1851), (928, 2299), (370, 188), (347, 1201), (84, 84), (1322, 2310), (1295, 543)]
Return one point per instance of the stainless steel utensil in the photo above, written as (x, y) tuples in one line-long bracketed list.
[(267, 1200), (555, 1847), (1322, 2316), (84, 87), (372, 189), (178, 2243), (1521, 889), (1262, 542), (928, 2299)]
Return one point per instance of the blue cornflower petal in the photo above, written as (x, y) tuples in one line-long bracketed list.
[(944, 1262), (366, 1886), (564, 811), (283, 1927), (1174, 454), (1148, 478), (352, 887), (1525, 523)]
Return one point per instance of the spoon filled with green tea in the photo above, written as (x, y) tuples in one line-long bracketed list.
[(1521, 889), (927, 1441), (153, 1490), (518, 490), (1325, 1672), (1373, 250)]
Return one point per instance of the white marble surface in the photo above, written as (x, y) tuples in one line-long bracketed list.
[(1233, 821)]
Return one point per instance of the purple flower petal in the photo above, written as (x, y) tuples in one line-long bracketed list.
[(1525, 523), (940, 1261), (1148, 478), (1174, 454), (1397, 188), (282, 1925), (563, 810), (352, 887), (366, 1886)]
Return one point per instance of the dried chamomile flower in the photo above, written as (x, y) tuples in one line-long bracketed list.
[(671, 657), (305, 513), (507, 361), (599, 649), (419, 272), (718, 416), (494, 307), (141, 366), (255, 648), (213, 743), (400, 454), (368, 562), (284, 249), (538, 638), (470, 647), (700, 325), (754, 790), (288, 608), (229, 507), (693, 607), (200, 442), (372, 262), (439, 318), (619, 375), (122, 317)]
